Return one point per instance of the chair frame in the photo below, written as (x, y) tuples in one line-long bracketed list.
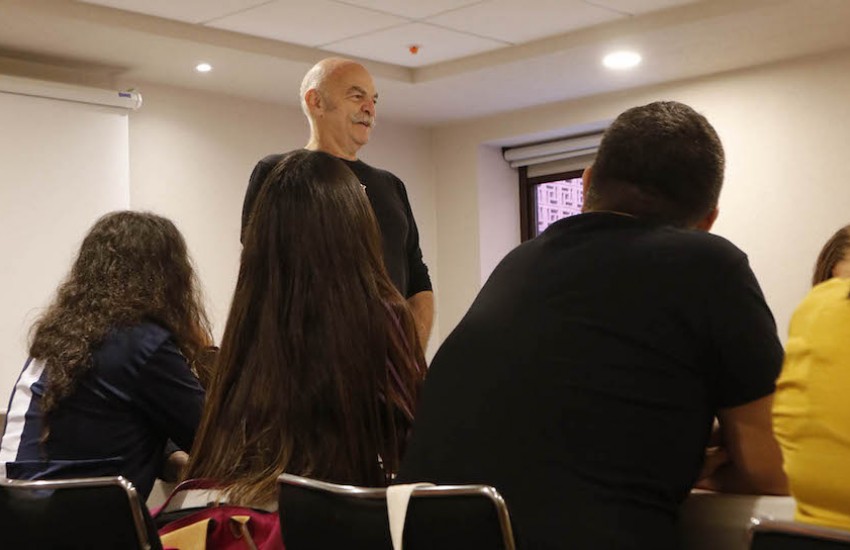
[(92, 482), (380, 493), (767, 525)]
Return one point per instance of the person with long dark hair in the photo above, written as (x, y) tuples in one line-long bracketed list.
[(320, 365), (109, 378), (834, 257)]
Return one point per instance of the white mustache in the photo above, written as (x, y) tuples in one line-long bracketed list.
[(370, 120)]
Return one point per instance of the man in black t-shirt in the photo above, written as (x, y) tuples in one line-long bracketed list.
[(339, 99), (584, 380)]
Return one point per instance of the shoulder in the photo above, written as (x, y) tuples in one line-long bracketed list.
[(632, 239), (270, 160), (265, 165), (696, 247), (133, 345), (146, 333), (833, 290), (826, 306)]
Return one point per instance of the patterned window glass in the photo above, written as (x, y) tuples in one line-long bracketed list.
[(557, 200)]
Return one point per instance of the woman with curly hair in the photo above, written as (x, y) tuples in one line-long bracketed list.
[(108, 380), (320, 365)]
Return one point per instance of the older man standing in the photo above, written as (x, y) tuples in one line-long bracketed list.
[(339, 97)]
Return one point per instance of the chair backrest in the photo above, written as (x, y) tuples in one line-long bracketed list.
[(318, 515), (768, 534), (91, 513)]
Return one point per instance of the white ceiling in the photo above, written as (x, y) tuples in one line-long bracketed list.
[(384, 30), (476, 57)]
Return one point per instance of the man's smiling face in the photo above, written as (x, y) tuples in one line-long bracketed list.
[(348, 107)]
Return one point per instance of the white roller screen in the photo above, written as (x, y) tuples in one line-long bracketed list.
[(62, 165)]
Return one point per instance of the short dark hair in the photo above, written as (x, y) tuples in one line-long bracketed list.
[(835, 249), (662, 161)]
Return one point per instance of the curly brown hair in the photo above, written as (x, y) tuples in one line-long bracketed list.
[(131, 267)]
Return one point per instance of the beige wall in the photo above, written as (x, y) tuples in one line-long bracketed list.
[(191, 154), (783, 125), (787, 184)]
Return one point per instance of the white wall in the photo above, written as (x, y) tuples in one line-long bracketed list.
[(499, 229), (787, 188), (62, 165), (191, 154), (783, 127), (190, 158)]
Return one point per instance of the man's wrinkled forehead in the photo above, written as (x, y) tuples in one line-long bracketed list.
[(351, 78)]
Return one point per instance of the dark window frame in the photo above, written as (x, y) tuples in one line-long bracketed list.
[(528, 201)]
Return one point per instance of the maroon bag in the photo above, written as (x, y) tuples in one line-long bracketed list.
[(216, 527)]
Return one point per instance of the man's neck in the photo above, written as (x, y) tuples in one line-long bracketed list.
[(605, 211), (316, 143)]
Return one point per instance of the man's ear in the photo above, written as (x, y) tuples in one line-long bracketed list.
[(585, 185), (708, 221), (313, 100)]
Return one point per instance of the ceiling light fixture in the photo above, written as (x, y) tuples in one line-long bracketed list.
[(203, 67), (621, 60)]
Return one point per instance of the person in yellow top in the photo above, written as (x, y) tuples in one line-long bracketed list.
[(811, 412), (834, 257)]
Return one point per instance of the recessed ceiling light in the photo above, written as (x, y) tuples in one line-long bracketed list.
[(621, 60), (203, 67)]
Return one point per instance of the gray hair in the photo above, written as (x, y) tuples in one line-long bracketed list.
[(314, 80), (316, 77)]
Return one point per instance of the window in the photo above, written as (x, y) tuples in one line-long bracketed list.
[(550, 176), (547, 199)]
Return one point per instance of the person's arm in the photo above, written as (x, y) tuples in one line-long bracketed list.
[(753, 460), (255, 182), (420, 297), (170, 395), (422, 307), (174, 465), (744, 357)]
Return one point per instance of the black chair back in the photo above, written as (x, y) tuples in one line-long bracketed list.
[(91, 513), (319, 515), (792, 535)]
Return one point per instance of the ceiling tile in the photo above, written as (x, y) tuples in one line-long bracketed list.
[(414, 9), (636, 7), (190, 11), (435, 45), (519, 22), (310, 23)]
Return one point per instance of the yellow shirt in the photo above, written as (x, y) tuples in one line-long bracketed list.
[(811, 412)]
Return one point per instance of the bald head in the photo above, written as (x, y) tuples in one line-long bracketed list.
[(319, 74), (338, 97)]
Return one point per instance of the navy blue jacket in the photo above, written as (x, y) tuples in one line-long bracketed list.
[(138, 393)]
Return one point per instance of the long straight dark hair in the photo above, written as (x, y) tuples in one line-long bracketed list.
[(320, 366)]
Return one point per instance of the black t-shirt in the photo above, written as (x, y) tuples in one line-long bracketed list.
[(400, 237), (583, 381)]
